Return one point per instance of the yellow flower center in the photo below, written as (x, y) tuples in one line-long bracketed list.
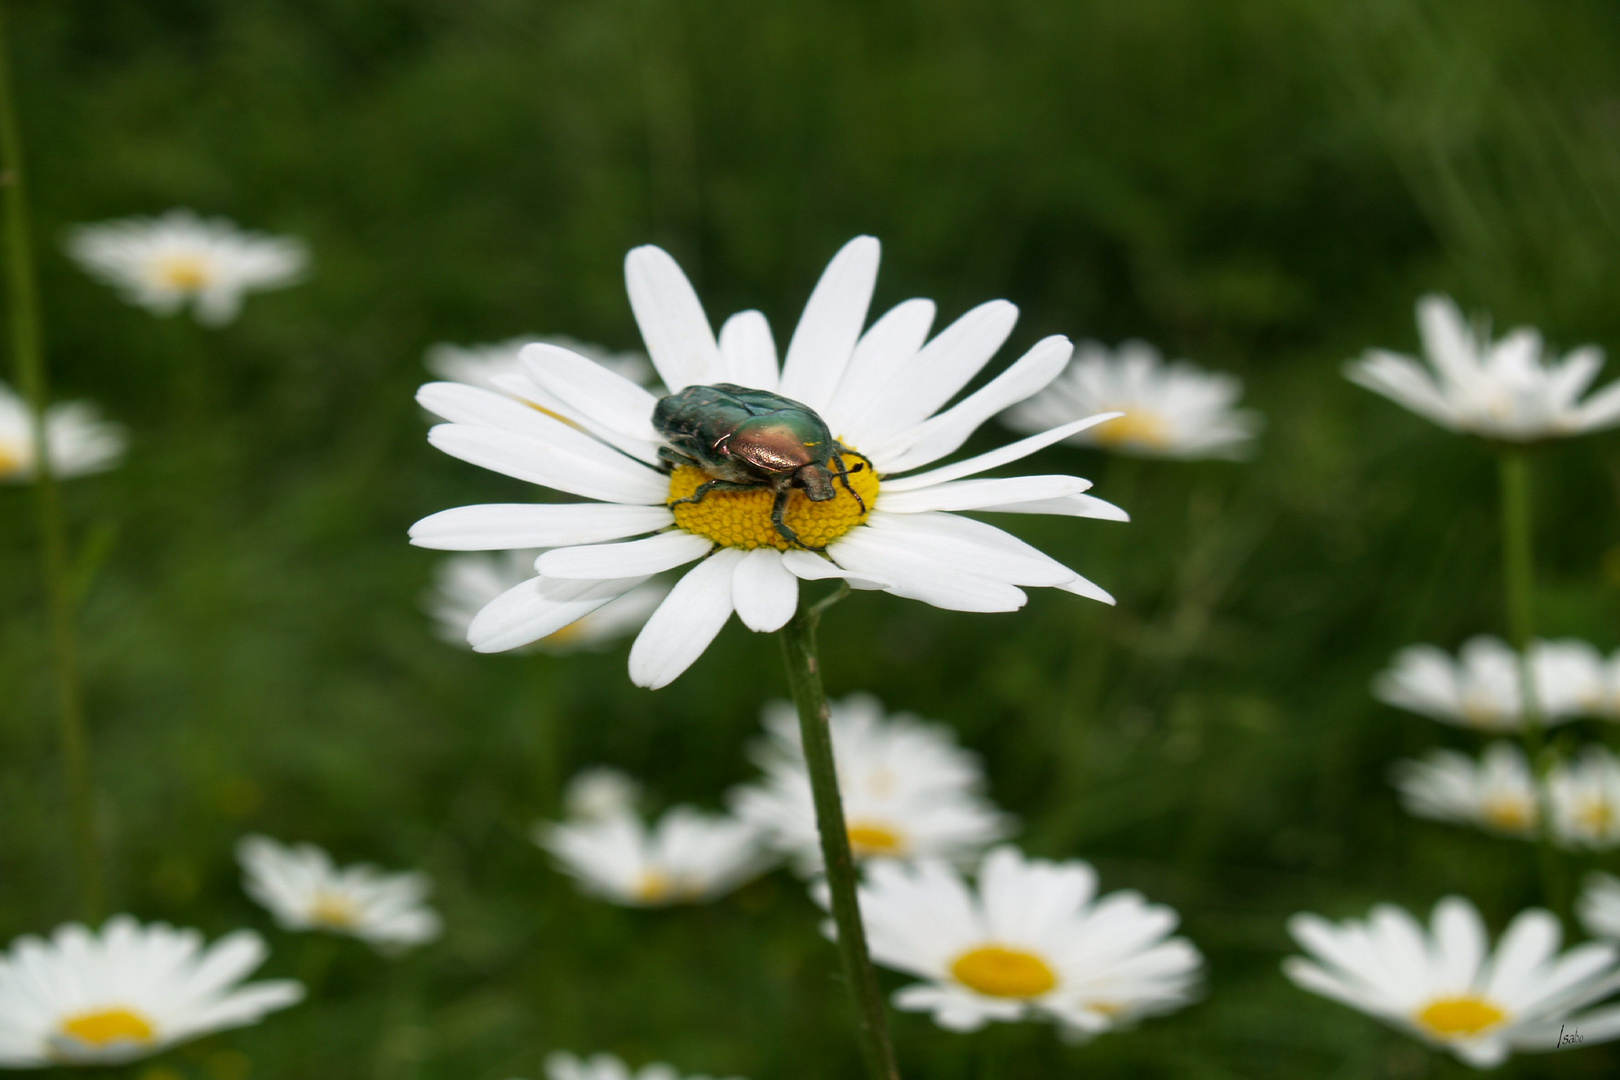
[(11, 462), (868, 838), (657, 887), (1511, 813), (996, 971), (188, 273), (106, 1026), (742, 519), (567, 635), (1459, 1016), (1596, 814), (1136, 428), (334, 911)]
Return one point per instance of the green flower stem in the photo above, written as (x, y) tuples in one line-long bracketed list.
[(804, 676), (1518, 575), (28, 356)]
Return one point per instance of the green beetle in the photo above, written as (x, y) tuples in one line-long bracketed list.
[(748, 439)]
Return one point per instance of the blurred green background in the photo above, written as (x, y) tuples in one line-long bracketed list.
[(1261, 185)]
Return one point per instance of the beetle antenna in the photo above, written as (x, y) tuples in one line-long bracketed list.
[(843, 478)]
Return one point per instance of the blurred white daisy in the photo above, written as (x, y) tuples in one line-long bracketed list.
[(565, 1066), (1480, 689), (600, 792), (1175, 410), (78, 440), (1447, 988), (87, 998), (304, 891), (1583, 798), (491, 366), (467, 583), (1599, 906), (909, 791), (1034, 941), (878, 391), (688, 857), (165, 263), (1497, 793), (1576, 678), (1506, 389)]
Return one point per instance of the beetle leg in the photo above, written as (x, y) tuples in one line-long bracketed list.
[(669, 458), (713, 485), (779, 508), (843, 478)]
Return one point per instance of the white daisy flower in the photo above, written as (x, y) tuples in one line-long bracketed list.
[(1576, 679), (78, 440), (489, 366), (1175, 410), (565, 1066), (166, 263), (1480, 689), (1034, 941), (600, 792), (465, 584), (1583, 799), (1599, 906), (908, 790), (1497, 794), (1448, 989), (688, 857), (304, 891), (878, 392), (83, 998), (1504, 389)]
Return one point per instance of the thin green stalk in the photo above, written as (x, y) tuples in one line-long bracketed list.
[(804, 676), (28, 357), (1519, 579)]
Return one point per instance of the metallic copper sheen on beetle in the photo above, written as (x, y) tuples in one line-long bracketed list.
[(749, 439)]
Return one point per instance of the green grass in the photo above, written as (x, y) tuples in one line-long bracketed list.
[(1263, 185)]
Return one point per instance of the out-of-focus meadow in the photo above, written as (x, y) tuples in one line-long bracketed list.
[(1263, 186)]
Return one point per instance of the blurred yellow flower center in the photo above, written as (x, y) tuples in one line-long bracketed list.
[(1135, 428), (567, 635), (655, 887), (106, 1026), (1596, 814), (1510, 812), (11, 462), (185, 272), (1448, 1017), (334, 911), (996, 971), (867, 838), (742, 519)]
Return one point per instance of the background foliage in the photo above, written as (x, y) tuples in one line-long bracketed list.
[(1263, 185)]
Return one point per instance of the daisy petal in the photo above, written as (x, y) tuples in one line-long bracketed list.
[(895, 337), (1086, 506), (677, 332), (748, 351), (623, 480), (831, 324), (538, 608), (942, 585), (764, 593), (600, 400), (977, 494), (684, 624), (504, 526), (1004, 455), (633, 558)]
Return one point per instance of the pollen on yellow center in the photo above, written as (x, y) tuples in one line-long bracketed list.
[(104, 1026), (1136, 428), (185, 272), (1509, 812), (997, 971), (1459, 1016), (742, 519), (1596, 814), (868, 838), (333, 911)]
